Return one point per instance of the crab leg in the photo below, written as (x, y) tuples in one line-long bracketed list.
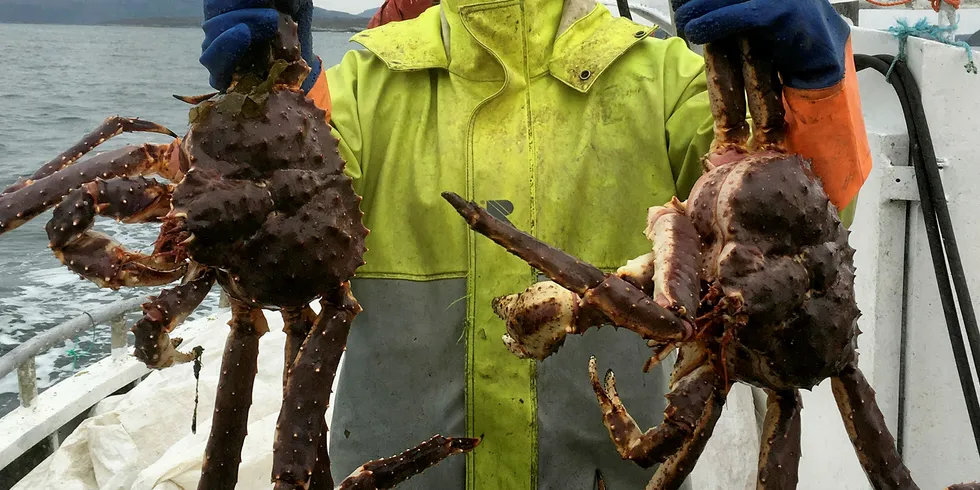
[(869, 434), (691, 404), (111, 127), (625, 304), (301, 422), (779, 459), (297, 323), (675, 470), (229, 425), (161, 314), (726, 95), (676, 248), (388, 472), (764, 92), (22, 205), (97, 257)]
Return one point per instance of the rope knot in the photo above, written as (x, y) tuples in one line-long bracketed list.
[(924, 30)]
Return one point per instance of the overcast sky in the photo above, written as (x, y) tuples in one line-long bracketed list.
[(352, 6)]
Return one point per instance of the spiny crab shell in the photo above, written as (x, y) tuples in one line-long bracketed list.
[(773, 245), (265, 198)]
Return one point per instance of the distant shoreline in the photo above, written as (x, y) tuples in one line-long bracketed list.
[(168, 22)]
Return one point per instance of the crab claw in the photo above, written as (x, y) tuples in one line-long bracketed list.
[(539, 319), (154, 346), (621, 302)]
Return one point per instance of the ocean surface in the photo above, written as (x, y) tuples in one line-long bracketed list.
[(57, 83)]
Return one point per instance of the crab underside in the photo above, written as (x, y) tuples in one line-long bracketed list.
[(750, 280), (254, 198)]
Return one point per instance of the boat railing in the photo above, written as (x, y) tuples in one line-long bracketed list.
[(21, 358), (43, 417)]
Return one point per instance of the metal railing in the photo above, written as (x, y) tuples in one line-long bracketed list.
[(21, 358)]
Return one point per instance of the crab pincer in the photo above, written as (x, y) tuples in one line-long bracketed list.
[(623, 303)]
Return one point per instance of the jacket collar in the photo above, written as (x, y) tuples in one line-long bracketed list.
[(574, 44)]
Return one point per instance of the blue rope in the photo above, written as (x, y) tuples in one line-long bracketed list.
[(76, 353), (923, 29)]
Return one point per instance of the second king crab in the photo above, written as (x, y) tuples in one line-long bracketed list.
[(750, 280)]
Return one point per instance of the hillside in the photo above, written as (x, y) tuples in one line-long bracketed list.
[(141, 12)]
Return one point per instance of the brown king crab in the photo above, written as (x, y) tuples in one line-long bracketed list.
[(257, 201), (751, 280)]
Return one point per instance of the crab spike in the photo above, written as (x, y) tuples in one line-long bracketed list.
[(111, 127), (231, 405), (301, 425), (388, 472), (162, 314), (24, 204)]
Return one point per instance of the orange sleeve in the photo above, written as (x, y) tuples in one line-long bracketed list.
[(320, 93), (827, 127), (398, 10)]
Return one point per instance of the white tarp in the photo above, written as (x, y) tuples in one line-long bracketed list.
[(142, 440)]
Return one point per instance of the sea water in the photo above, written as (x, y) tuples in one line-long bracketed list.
[(57, 83)]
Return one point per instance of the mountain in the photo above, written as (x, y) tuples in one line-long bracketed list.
[(141, 12)]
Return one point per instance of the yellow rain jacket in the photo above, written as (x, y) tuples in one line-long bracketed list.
[(565, 120)]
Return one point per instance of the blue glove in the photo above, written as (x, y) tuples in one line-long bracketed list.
[(805, 38), (231, 26)]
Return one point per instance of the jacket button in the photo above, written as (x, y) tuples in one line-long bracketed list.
[(639, 34), (585, 74)]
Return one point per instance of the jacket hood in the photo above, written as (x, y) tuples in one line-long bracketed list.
[(495, 40), (520, 34)]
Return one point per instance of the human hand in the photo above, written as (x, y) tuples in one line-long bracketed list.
[(231, 26), (805, 38)]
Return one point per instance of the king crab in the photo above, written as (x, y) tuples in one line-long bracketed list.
[(751, 280), (257, 201)]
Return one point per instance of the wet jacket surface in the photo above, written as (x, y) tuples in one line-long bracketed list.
[(570, 128)]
